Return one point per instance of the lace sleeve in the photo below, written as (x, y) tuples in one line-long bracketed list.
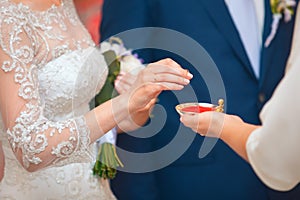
[(36, 141)]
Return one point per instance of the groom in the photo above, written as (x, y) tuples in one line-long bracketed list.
[(250, 73)]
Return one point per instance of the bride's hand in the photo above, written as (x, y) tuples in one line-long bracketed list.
[(162, 75), (124, 82)]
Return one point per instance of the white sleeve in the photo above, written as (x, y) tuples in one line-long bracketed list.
[(35, 139), (273, 150)]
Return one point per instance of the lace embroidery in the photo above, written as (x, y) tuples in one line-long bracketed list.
[(32, 39), (64, 150)]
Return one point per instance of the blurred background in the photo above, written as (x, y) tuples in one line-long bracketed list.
[(90, 14)]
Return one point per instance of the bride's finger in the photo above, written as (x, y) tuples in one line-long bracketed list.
[(122, 81), (121, 88), (170, 86), (128, 79), (150, 77), (171, 78), (174, 64), (160, 68)]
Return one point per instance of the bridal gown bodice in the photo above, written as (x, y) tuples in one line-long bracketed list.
[(58, 74)]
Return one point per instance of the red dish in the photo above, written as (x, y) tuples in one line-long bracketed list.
[(197, 109)]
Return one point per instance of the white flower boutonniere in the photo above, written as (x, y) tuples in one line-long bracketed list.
[(280, 8)]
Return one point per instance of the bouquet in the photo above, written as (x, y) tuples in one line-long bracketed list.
[(119, 59)]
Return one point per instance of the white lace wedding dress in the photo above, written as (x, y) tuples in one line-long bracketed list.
[(58, 73)]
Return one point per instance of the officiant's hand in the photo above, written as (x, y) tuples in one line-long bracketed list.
[(162, 75), (212, 124), (230, 128)]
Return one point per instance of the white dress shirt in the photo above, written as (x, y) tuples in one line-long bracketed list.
[(260, 16), (248, 17)]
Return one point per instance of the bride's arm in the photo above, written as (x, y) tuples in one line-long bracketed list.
[(39, 142), (123, 83)]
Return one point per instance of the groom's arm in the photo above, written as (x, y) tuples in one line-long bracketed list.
[(119, 16)]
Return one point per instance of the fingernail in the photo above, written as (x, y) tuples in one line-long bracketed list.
[(190, 75), (186, 81), (180, 87)]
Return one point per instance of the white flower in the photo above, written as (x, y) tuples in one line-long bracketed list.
[(131, 64), (119, 49)]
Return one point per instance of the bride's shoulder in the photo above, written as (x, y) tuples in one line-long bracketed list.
[(15, 18), (8, 4), (17, 40)]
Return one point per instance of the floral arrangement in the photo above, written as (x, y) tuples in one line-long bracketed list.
[(129, 62), (280, 8), (119, 59)]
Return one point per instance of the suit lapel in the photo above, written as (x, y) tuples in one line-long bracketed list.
[(266, 52), (218, 11)]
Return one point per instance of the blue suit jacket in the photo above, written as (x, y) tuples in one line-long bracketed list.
[(222, 174)]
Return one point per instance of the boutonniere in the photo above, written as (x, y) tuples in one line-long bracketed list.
[(280, 8)]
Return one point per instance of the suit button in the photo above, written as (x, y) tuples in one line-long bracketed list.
[(262, 97)]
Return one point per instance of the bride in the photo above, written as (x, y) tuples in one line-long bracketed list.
[(50, 70)]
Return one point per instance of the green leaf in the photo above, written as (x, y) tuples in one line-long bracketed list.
[(107, 162), (108, 92)]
